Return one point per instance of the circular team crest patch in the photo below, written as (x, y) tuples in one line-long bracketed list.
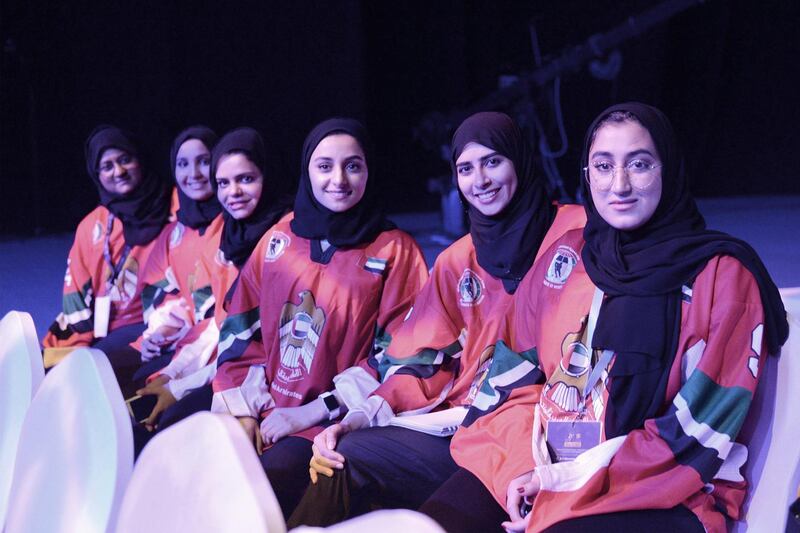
[(276, 246), (176, 236), (470, 289), (560, 267)]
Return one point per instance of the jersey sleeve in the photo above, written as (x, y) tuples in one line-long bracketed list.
[(405, 274), (693, 443), (417, 369), (240, 384), (158, 283), (74, 325)]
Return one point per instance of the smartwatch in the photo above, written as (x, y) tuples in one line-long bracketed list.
[(331, 404)]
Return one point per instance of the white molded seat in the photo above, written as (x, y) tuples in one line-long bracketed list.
[(773, 433), (384, 521), (75, 452), (200, 475), (21, 372)]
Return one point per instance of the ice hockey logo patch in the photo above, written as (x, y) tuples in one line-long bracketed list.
[(176, 236), (560, 267), (276, 246), (300, 327), (97, 232), (470, 289)]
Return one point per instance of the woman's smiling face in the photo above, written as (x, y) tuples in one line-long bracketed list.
[(338, 172), (487, 179)]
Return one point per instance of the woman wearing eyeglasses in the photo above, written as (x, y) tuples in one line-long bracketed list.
[(645, 359), (102, 304)]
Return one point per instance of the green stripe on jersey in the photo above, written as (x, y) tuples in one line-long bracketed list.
[(722, 408)]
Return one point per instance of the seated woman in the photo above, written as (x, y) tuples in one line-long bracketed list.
[(439, 357), (250, 189), (176, 296), (102, 305), (645, 354), (324, 289)]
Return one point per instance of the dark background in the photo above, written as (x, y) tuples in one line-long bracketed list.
[(725, 72)]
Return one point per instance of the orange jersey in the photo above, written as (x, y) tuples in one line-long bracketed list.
[(89, 275), (187, 277), (442, 353), (294, 323)]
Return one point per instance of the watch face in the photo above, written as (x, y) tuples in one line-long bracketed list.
[(330, 402)]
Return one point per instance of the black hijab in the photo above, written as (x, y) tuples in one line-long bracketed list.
[(239, 237), (506, 243), (143, 211), (359, 224), (642, 272), (196, 215)]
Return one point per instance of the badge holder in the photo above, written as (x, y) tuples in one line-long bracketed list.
[(102, 314), (568, 437)]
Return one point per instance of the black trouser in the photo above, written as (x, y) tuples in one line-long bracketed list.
[(124, 359), (194, 402), (677, 519), (385, 467), (462, 504), (286, 466)]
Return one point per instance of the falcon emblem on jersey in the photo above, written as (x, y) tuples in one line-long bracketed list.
[(97, 232), (176, 236), (276, 246), (470, 289), (300, 327), (560, 267)]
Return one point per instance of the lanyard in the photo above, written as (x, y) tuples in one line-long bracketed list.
[(605, 356), (115, 269)]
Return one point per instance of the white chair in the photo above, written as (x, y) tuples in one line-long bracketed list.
[(385, 521), (21, 372), (75, 452), (773, 434), (200, 475)]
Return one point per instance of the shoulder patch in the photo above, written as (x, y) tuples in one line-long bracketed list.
[(560, 267), (375, 265), (278, 243), (176, 236), (471, 289)]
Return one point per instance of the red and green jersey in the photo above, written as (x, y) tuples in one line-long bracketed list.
[(294, 323), (687, 455), (90, 275), (187, 276), (442, 354)]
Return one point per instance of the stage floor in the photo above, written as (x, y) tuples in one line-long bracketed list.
[(32, 270)]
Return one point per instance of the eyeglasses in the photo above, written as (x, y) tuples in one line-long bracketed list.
[(641, 174), (126, 161)]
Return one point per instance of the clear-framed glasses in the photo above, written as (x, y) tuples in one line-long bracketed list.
[(124, 160), (641, 173)]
